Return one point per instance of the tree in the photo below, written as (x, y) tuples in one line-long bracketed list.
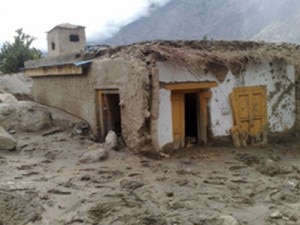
[(13, 55), (205, 37)]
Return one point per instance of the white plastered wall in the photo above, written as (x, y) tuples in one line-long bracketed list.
[(278, 77)]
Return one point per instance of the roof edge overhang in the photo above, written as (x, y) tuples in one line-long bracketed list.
[(69, 68), (66, 26)]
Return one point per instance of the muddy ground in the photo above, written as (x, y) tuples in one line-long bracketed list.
[(43, 183)]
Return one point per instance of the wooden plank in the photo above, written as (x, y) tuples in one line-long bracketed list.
[(101, 115), (234, 109), (249, 89), (68, 69), (190, 86), (199, 114), (203, 119), (178, 120)]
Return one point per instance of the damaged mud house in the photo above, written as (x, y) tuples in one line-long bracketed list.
[(169, 93)]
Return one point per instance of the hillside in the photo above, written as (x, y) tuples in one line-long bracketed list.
[(218, 19)]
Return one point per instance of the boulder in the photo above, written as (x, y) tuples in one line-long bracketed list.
[(8, 116), (33, 117), (8, 98), (7, 142), (24, 116), (16, 83), (111, 140)]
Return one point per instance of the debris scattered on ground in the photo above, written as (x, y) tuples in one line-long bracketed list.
[(44, 182), (18, 209)]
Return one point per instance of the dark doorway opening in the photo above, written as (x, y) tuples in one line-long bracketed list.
[(191, 112), (111, 113)]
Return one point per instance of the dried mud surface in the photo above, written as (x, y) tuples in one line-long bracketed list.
[(43, 183)]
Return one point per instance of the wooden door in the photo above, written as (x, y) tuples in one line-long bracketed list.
[(109, 114), (202, 119), (178, 121), (250, 111)]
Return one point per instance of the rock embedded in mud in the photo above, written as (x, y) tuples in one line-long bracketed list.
[(111, 140), (131, 184), (225, 220), (271, 168), (94, 155), (81, 128), (276, 215), (8, 98), (33, 116), (24, 116), (7, 142)]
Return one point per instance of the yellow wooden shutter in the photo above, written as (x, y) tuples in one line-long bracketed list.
[(249, 106)]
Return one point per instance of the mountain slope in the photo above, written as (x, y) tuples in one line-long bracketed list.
[(218, 19)]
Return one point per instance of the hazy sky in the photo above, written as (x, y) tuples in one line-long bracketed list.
[(101, 18)]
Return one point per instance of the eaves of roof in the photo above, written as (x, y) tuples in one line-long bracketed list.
[(77, 63)]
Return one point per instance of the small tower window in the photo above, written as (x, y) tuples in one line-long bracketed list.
[(52, 46), (74, 38)]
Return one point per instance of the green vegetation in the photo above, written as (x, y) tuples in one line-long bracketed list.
[(13, 55), (205, 37)]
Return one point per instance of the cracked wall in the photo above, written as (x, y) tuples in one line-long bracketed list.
[(277, 76)]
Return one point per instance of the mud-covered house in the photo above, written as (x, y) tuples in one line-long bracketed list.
[(172, 93)]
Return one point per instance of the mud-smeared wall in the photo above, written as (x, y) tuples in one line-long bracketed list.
[(78, 95), (73, 94), (277, 76), (131, 78), (281, 92)]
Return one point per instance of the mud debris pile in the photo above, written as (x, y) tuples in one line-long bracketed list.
[(43, 182)]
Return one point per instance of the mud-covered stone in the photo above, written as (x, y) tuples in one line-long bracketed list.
[(8, 98), (111, 140), (7, 142), (24, 116), (226, 220), (93, 155)]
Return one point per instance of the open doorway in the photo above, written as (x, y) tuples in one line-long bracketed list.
[(191, 118), (110, 113)]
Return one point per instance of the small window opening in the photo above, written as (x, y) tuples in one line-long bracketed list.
[(74, 38), (52, 46)]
